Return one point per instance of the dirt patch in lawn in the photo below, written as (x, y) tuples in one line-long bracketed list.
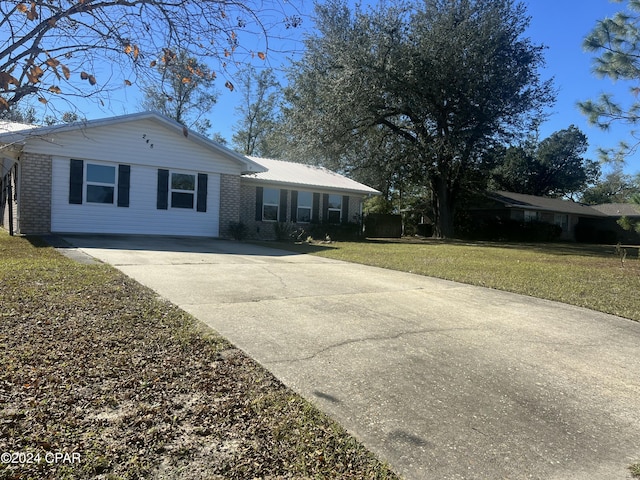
[(102, 379)]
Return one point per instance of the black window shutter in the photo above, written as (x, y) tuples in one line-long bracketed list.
[(294, 206), (163, 189), (282, 217), (325, 207), (203, 179), (315, 214), (124, 181), (76, 178), (258, 204), (345, 208)]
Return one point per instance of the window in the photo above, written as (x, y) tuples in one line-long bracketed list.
[(305, 200), (183, 189), (270, 204), (101, 183), (562, 220), (334, 214), (530, 216)]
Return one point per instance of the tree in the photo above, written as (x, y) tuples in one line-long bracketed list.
[(261, 93), (19, 115), (615, 187), (446, 78), (183, 91), (554, 167), (616, 41), (80, 48)]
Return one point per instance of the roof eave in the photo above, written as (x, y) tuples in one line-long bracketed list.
[(310, 186)]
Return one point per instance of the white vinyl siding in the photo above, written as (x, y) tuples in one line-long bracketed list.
[(140, 142), (142, 215)]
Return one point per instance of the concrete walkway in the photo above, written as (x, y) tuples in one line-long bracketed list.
[(442, 380)]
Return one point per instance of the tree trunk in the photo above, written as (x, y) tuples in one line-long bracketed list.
[(443, 206)]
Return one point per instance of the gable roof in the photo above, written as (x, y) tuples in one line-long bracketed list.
[(545, 204), (303, 175), (14, 133), (618, 209)]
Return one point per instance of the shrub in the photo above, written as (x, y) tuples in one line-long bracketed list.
[(336, 231), (238, 230), (514, 231), (284, 231)]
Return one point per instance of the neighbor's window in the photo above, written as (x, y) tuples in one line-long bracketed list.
[(562, 221), (270, 204), (101, 183), (530, 216), (183, 188), (305, 199), (335, 209)]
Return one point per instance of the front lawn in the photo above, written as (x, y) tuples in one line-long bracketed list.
[(589, 276), (102, 379)]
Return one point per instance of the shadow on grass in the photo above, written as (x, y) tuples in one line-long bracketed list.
[(302, 248), (560, 249)]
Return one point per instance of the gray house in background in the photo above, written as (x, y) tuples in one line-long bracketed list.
[(528, 208), (614, 212), (146, 174), (577, 221)]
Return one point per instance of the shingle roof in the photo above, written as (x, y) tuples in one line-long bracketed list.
[(303, 175), (619, 209), (533, 202)]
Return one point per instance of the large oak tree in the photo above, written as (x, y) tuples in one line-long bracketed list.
[(445, 79)]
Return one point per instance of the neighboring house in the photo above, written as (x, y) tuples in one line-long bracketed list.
[(614, 212), (519, 207), (298, 193), (135, 174)]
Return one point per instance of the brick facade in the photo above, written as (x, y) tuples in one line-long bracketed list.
[(34, 194), (260, 230), (229, 203)]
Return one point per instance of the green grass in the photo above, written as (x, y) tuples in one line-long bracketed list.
[(584, 275), (96, 364), (635, 470)]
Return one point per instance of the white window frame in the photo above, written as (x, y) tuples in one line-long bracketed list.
[(302, 206), (334, 209), (266, 190), (193, 192), (89, 183)]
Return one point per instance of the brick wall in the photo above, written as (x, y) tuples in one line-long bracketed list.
[(255, 230), (265, 230), (229, 202), (34, 196)]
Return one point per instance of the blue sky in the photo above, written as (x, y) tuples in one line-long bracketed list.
[(561, 25)]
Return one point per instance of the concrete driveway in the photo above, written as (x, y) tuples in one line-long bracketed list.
[(442, 380)]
